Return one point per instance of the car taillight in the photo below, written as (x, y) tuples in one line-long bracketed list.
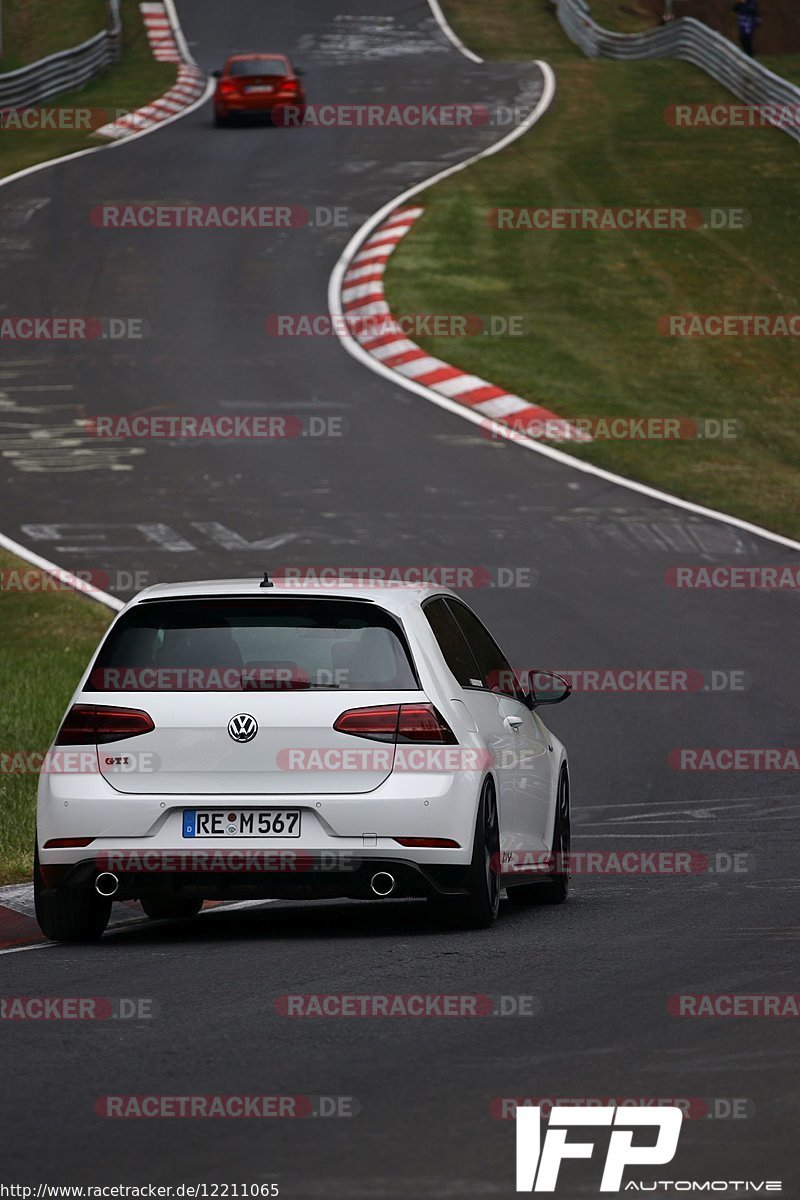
[(422, 723), (290, 85), (96, 724), (397, 723), (379, 723), (228, 86)]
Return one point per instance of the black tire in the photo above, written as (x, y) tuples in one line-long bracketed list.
[(221, 122), (174, 908), (555, 889), (69, 914), (478, 909)]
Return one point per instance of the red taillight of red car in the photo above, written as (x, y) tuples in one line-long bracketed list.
[(397, 723), (228, 87), (96, 724), (289, 87)]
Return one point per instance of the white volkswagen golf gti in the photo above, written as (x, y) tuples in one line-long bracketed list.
[(234, 740)]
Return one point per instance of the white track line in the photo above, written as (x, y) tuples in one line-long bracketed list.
[(33, 946), (350, 253), (73, 581), (53, 162), (234, 906), (441, 21)]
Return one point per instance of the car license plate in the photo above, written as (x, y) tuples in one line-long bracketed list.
[(241, 822), (259, 87)]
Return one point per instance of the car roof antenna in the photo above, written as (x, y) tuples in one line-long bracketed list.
[(266, 581)]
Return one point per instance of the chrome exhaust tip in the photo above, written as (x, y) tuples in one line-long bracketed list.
[(382, 883), (106, 884)]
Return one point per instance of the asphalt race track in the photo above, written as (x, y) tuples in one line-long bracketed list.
[(408, 483)]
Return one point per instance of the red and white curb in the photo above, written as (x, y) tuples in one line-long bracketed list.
[(159, 32), (19, 929), (189, 88), (367, 312)]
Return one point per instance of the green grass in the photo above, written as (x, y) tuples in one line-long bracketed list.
[(32, 29), (786, 65), (591, 301), (47, 640), (136, 80), (622, 17)]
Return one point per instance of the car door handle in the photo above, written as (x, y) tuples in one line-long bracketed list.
[(512, 722)]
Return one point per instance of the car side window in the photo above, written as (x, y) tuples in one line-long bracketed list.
[(495, 670), (451, 642)]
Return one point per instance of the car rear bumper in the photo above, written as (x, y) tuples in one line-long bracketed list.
[(245, 875), (256, 104)]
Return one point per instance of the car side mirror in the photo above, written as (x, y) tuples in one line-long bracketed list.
[(216, 74), (545, 687)]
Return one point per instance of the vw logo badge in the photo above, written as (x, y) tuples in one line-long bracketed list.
[(243, 727)]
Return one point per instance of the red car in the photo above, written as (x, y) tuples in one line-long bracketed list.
[(259, 84)]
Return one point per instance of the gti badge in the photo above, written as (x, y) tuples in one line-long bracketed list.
[(243, 727)]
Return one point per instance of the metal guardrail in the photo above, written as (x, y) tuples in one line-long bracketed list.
[(696, 43), (65, 70)]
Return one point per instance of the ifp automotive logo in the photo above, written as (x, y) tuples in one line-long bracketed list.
[(538, 1164)]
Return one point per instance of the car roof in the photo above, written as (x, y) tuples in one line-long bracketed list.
[(256, 54), (390, 595)]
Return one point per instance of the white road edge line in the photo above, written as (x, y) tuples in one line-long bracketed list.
[(136, 922), (512, 435), (73, 581), (180, 40), (34, 946), (126, 141), (441, 21)]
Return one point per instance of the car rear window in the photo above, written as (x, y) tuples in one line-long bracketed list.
[(254, 645), (257, 66)]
